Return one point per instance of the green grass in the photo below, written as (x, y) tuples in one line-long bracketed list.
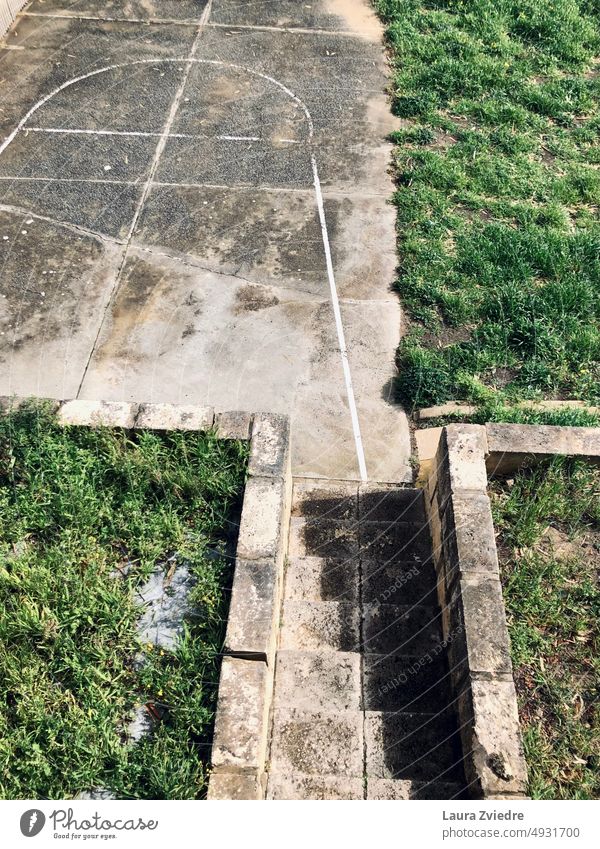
[(498, 186), (77, 505), (549, 543)]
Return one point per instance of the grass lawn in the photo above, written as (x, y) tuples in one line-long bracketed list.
[(85, 515), (549, 545), (498, 187)]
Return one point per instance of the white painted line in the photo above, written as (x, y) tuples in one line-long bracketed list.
[(81, 132), (164, 136), (360, 453), (239, 138), (70, 180), (135, 133)]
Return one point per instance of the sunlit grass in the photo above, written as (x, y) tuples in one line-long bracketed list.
[(85, 515), (497, 197), (549, 544)]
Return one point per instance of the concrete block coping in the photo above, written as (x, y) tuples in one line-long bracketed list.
[(455, 465), (246, 684), (463, 408)]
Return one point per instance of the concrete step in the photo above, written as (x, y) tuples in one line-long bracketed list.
[(316, 625), (329, 539), (402, 790), (396, 682), (377, 503), (412, 746), (335, 539), (387, 543), (370, 502), (317, 743), (325, 787), (320, 500), (361, 667), (326, 681), (399, 582), (315, 579), (401, 629)]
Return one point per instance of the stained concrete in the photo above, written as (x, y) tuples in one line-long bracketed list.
[(183, 223)]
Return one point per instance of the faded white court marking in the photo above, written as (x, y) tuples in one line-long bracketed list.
[(163, 137)]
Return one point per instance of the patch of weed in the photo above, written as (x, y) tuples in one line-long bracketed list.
[(85, 516), (548, 520)]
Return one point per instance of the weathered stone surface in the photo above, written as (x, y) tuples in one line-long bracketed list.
[(254, 610), (460, 460), (233, 425), (412, 746), (393, 542), (317, 743), (97, 413), (225, 785), (312, 626), (469, 540), (240, 736), (399, 683), (558, 405), (323, 787), (380, 503), (325, 681), (428, 440), (316, 499), (330, 539), (489, 720), (174, 417), (437, 550), (477, 636), (15, 402), (270, 445), (317, 579), (401, 629), (398, 583), (512, 446), (452, 408), (388, 789), (262, 517)]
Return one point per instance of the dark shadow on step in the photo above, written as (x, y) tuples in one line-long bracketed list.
[(412, 732)]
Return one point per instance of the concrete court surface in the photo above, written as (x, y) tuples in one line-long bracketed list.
[(174, 176)]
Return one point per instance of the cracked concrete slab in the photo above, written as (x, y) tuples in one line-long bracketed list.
[(217, 290)]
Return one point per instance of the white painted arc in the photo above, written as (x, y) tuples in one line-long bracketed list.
[(188, 61), (156, 61)]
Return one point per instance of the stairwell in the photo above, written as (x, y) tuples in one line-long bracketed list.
[(362, 707)]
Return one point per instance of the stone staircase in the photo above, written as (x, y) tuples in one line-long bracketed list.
[(362, 706)]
